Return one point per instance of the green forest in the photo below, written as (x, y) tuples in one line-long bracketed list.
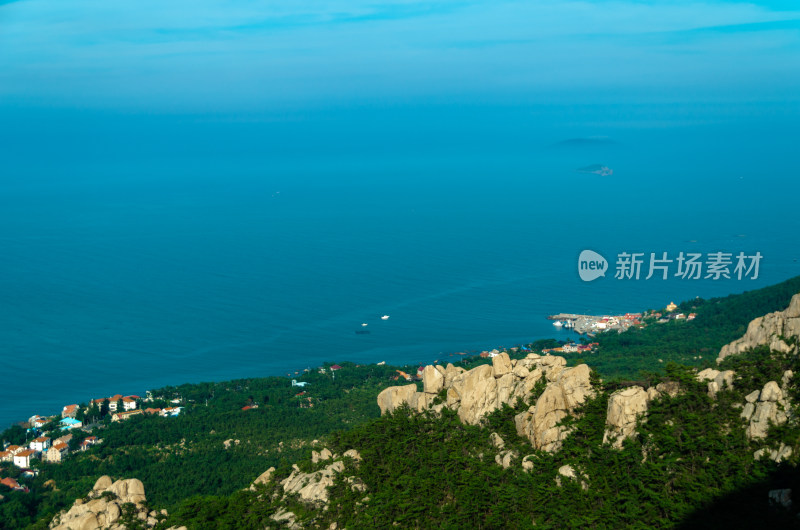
[(688, 467)]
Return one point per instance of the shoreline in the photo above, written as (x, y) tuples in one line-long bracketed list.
[(441, 357)]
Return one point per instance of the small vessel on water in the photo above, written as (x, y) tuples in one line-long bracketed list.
[(557, 323), (569, 324), (597, 169), (363, 325), (385, 317)]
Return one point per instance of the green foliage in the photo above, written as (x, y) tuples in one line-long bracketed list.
[(695, 343), (14, 435), (184, 456)]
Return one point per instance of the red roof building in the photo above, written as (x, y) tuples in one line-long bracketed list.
[(11, 483)]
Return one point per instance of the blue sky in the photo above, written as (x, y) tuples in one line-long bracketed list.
[(217, 56)]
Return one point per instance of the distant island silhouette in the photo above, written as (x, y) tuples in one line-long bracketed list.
[(592, 141)]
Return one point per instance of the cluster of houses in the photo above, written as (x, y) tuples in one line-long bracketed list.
[(166, 412), (43, 448), (671, 314), (572, 347), (55, 451), (128, 403)]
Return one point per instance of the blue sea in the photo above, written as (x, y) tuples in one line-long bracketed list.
[(143, 252)]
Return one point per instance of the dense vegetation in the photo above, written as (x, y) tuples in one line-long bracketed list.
[(177, 457), (688, 466), (422, 470), (694, 343)]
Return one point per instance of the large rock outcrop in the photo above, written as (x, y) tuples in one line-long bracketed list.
[(625, 408), (768, 330), (263, 478), (716, 380), (763, 408), (394, 396), (103, 509), (477, 392), (540, 423), (312, 487)]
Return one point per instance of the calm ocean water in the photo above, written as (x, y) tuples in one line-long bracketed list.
[(124, 274)]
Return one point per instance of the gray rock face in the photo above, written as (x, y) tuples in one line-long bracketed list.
[(352, 453), (496, 440), (102, 483), (568, 472), (671, 388), (432, 380), (540, 423), (776, 455), (504, 458), (478, 392), (285, 519), (263, 478), (394, 396), (312, 487), (625, 408), (527, 463), (323, 455), (450, 373), (501, 365), (103, 512), (767, 330), (716, 380), (752, 397), (768, 407)]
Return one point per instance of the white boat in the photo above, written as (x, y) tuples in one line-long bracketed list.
[(385, 317), (558, 323), (569, 324), (364, 324)]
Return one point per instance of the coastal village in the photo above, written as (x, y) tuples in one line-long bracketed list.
[(591, 325), (73, 425)]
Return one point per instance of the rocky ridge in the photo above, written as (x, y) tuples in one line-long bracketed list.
[(311, 488), (771, 330), (486, 388), (105, 506)]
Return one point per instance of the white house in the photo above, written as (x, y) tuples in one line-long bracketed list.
[(88, 442), (37, 421), (14, 449), (128, 403), (40, 444), (112, 402), (23, 458)]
